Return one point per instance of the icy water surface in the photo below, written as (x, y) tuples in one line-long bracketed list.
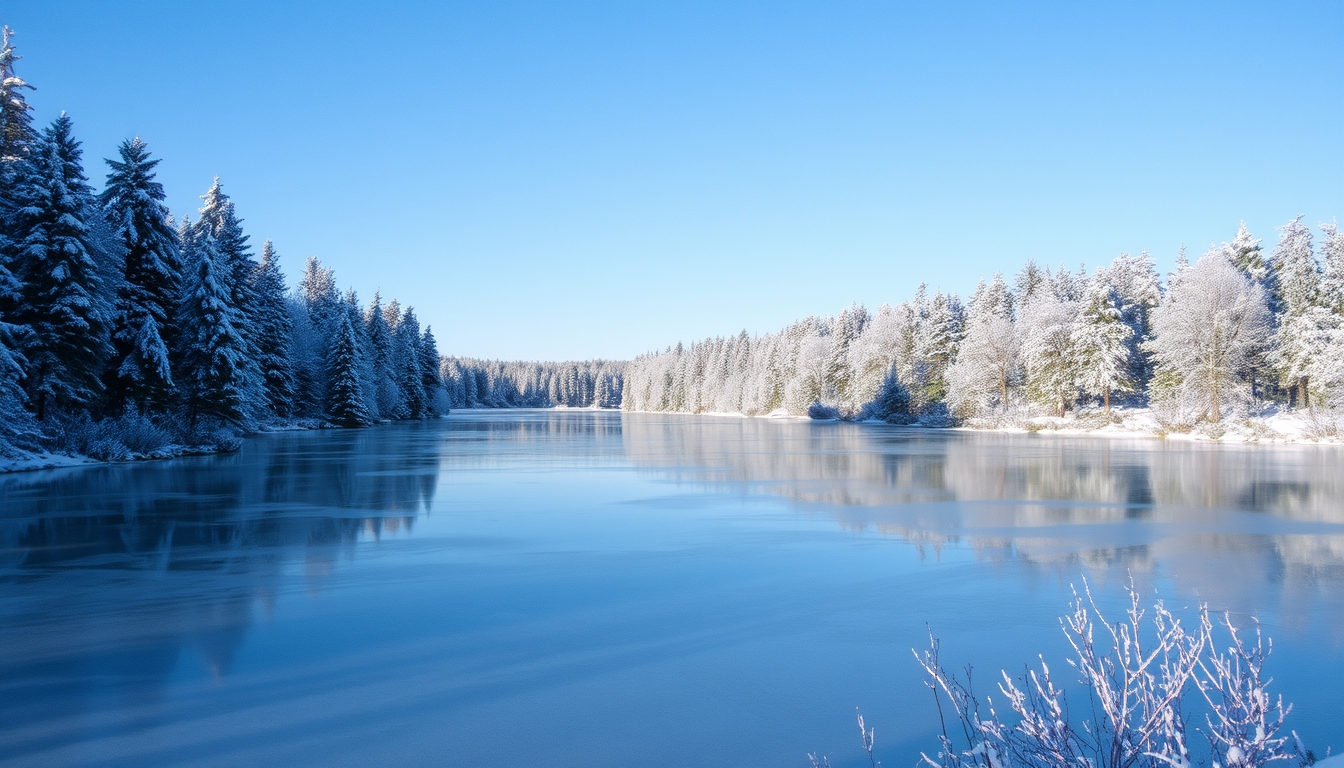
[(570, 588)]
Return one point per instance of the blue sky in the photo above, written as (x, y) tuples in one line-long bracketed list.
[(573, 180)]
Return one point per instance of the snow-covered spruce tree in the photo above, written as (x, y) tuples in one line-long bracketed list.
[(1208, 326), (849, 326), (16, 141), (407, 368), (1100, 343), (321, 308), (212, 375), (345, 395), (236, 268), (62, 299), (936, 340), (273, 330), (1052, 375), (1301, 316), (1332, 253), (1137, 293), (433, 384), (1245, 253), (987, 358), (139, 371), (386, 394)]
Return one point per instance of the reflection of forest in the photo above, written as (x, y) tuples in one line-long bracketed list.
[(113, 570), (1229, 522)]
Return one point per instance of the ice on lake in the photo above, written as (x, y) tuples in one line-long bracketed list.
[(606, 589)]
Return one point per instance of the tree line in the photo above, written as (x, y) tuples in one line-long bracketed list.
[(116, 316), (1236, 327), (472, 383)]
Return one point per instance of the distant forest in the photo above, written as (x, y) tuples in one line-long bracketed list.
[(1237, 327)]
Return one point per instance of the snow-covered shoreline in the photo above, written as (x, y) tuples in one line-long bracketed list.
[(1273, 426)]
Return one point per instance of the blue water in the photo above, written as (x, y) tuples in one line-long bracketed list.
[(575, 588)]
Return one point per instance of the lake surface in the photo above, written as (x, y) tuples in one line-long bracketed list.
[(578, 588)]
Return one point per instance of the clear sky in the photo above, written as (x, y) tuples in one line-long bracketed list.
[(573, 180)]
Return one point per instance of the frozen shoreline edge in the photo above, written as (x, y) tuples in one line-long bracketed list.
[(1276, 429)]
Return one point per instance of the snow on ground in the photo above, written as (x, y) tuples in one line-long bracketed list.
[(1271, 425)]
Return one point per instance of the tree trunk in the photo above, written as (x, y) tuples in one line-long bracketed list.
[(1106, 396), (1216, 411), (1306, 397)]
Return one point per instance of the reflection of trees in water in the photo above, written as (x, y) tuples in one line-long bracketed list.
[(120, 567), (1061, 503)]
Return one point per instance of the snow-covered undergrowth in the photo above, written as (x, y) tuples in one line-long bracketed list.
[(1152, 690), (1269, 424)]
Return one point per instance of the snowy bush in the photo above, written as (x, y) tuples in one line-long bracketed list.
[(1160, 693)]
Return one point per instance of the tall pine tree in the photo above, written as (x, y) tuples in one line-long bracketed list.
[(213, 350), (345, 391), (273, 328), (62, 298), (140, 370)]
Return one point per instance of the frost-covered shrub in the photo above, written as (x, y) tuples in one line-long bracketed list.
[(106, 439), (819, 411), (1322, 423), (1155, 687)]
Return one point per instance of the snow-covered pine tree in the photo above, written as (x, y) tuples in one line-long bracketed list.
[(429, 374), (386, 394), (211, 378), (1029, 284), (1100, 343), (317, 290), (273, 328), (62, 300), (132, 204), (406, 365), (345, 396), (1137, 293), (1048, 352), (1245, 253), (16, 140), (236, 265), (1299, 307), (937, 330), (987, 358), (1208, 326), (1332, 253)]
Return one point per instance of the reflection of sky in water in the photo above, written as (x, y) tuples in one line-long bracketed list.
[(567, 588)]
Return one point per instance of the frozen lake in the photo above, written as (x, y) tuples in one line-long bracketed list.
[(576, 588)]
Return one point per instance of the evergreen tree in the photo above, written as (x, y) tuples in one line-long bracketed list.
[(1048, 352), (433, 382), (1244, 252), (345, 395), (1301, 314), (407, 367), (937, 330), (987, 358), (1100, 341), (62, 297), (273, 329), (213, 350), (386, 395), (1332, 253), (132, 202), (235, 270), (16, 140)]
